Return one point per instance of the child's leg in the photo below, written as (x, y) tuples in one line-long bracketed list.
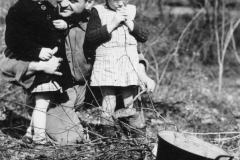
[(108, 106), (39, 115), (29, 130), (27, 138), (128, 95), (109, 100)]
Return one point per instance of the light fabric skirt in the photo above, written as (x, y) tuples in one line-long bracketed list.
[(47, 87), (115, 69)]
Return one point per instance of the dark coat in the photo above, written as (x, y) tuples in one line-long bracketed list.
[(29, 28), (14, 67)]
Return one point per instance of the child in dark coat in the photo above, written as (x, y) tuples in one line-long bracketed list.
[(34, 32)]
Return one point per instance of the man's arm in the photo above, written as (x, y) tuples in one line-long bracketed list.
[(22, 72), (13, 70)]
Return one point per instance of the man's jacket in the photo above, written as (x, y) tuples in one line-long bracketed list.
[(80, 68)]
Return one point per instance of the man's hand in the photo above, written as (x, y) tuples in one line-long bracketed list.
[(145, 82), (51, 66)]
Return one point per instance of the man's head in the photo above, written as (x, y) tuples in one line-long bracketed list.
[(67, 8)]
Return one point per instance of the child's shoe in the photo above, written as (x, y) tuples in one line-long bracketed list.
[(137, 121), (27, 139), (40, 142)]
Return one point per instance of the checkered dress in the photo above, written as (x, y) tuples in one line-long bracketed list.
[(47, 87), (116, 62)]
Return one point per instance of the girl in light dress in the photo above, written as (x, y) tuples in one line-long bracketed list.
[(113, 34)]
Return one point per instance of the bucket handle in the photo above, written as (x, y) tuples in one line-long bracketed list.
[(222, 156), (168, 123)]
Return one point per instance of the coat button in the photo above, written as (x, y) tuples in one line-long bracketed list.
[(43, 7), (59, 40), (48, 17)]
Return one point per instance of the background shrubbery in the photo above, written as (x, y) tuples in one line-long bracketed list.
[(184, 61)]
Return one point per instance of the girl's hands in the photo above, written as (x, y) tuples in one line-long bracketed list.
[(60, 24), (120, 16), (47, 53), (128, 21)]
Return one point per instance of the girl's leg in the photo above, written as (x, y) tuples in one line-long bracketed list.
[(108, 106), (39, 116), (109, 101), (29, 130), (27, 138), (128, 95)]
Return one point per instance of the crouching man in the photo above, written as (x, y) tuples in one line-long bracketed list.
[(63, 125)]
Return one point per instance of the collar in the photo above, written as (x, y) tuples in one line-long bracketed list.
[(108, 7), (76, 19), (30, 4)]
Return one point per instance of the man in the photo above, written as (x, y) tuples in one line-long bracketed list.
[(62, 119)]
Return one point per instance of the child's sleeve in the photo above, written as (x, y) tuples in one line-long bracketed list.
[(16, 35), (63, 29), (96, 34), (140, 33), (143, 60)]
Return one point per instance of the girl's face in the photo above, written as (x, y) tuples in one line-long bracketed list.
[(114, 4)]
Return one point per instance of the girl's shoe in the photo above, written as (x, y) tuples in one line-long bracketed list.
[(27, 139), (135, 118), (137, 121), (40, 142), (41, 145)]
